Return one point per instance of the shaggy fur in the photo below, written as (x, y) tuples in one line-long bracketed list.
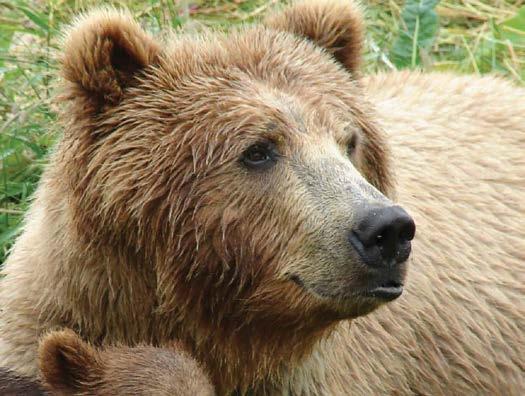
[(70, 366), (337, 28), (146, 228)]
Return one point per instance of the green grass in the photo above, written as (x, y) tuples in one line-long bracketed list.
[(474, 36)]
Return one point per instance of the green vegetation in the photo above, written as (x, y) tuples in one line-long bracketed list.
[(466, 36)]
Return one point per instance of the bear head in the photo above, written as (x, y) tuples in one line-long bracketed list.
[(246, 169)]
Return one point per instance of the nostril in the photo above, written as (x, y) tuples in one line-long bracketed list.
[(407, 230)]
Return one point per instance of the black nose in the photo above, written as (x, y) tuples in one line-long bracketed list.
[(382, 236)]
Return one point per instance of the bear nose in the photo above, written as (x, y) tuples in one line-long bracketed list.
[(382, 236)]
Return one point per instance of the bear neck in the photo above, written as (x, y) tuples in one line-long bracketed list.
[(242, 351), (260, 356)]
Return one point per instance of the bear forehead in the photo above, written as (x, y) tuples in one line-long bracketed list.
[(255, 78), (233, 60)]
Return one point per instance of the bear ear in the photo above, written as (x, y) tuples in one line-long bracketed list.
[(103, 51), (67, 364), (336, 25)]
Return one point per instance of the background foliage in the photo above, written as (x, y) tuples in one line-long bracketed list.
[(466, 36)]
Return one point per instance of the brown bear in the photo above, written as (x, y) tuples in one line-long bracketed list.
[(235, 191), (70, 366)]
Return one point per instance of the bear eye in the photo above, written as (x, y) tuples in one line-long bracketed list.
[(352, 145), (259, 156)]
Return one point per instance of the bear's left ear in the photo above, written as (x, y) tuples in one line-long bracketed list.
[(103, 51), (336, 25)]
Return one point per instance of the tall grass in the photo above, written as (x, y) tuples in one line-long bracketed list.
[(473, 36)]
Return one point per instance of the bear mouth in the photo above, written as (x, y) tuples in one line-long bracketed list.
[(384, 292), (388, 291)]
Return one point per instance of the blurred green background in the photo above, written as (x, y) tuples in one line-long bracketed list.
[(465, 36)]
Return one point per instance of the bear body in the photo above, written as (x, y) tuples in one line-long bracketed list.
[(147, 228)]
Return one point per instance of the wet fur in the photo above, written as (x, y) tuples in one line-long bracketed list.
[(117, 233)]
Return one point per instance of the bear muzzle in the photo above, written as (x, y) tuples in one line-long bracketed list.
[(382, 239)]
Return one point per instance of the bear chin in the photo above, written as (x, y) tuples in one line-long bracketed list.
[(351, 309)]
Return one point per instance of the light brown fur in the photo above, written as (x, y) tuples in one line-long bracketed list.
[(144, 230), (70, 366)]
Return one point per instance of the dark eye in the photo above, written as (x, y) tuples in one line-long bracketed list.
[(259, 156), (352, 145)]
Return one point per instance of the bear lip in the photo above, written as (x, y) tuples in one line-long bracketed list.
[(386, 291)]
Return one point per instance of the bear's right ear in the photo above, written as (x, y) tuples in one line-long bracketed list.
[(67, 364), (103, 51), (335, 25)]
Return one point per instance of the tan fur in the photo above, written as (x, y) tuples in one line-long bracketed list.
[(338, 27), (145, 228), (70, 366)]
